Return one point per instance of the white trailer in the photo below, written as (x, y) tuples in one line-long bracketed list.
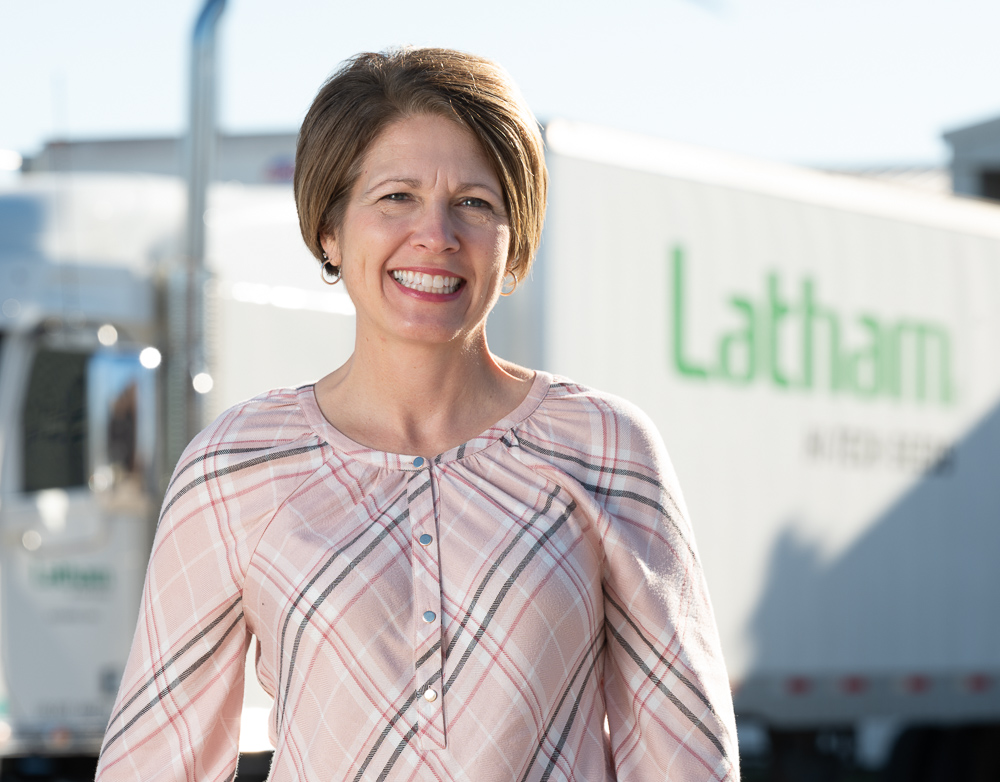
[(821, 356)]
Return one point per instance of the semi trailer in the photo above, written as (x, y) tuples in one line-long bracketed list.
[(820, 354)]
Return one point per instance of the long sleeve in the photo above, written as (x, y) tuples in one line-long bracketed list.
[(667, 693), (177, 716), (178, 708)]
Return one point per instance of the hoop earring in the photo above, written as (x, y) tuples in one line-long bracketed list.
[(505, 290), (329, 273)]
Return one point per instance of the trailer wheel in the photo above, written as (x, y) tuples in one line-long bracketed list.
[(797, 755), (41, 768), (959, 754), (253, 767)]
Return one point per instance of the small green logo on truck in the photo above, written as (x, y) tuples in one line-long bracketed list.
[(896, 359), (66, 575)]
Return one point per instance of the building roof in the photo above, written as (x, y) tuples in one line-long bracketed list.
[(986, 133)]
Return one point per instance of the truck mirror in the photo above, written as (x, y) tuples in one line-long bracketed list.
[(121, 413)]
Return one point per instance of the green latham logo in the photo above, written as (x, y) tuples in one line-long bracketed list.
[(906, 359)]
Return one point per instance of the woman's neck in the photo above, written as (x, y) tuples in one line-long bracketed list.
[(420, 399)]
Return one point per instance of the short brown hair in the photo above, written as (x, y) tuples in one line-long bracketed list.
[(372, 90)]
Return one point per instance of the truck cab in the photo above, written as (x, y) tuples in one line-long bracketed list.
[(78, 469)]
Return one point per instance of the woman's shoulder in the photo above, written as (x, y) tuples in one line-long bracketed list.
[(593, 436), (596, 417), (609, 446), (252, 433)]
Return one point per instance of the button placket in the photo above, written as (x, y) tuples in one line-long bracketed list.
[(428, 656)]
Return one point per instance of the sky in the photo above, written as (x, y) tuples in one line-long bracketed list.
[(819, 82)]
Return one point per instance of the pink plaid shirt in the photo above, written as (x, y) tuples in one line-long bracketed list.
[(526, 606)]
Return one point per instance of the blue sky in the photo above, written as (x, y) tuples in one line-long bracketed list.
[(837, 82)]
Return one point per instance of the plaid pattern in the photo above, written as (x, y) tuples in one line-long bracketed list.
[(481, 616)]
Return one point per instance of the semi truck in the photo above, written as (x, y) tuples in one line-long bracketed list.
[(818, 352), (90, 266)]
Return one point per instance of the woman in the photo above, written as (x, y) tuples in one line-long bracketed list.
[(455, 567)]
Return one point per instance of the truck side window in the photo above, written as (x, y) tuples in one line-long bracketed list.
[(54, 434)]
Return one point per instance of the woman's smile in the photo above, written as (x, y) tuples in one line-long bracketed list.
[(424, 282)]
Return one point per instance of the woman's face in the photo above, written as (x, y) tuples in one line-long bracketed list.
[(424, 241)]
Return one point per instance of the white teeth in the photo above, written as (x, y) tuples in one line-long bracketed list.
[(419, 281)]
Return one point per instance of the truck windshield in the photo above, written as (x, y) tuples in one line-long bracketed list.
[(54, 422)]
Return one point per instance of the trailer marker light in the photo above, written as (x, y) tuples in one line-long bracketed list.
[(978, 682), (202, 382), (150, 358), (60, 738), (853, 685), (916, 684), (799, 685), (107, 335)]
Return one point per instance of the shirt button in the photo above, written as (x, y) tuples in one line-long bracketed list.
[(429, 616), (430, 695), (425, 539), (418, 462)]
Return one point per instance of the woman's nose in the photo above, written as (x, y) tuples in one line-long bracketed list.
[(435, 229)]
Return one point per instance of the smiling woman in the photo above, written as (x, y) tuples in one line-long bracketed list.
[(454, 567)]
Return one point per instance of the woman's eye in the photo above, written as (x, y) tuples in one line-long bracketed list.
[(395, 197), (479, 203)]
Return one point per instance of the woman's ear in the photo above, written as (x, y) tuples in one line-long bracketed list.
[(331, 248)]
